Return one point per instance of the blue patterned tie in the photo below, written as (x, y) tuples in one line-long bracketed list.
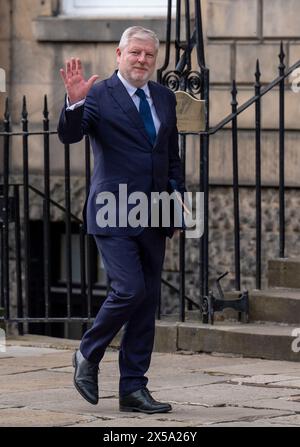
[(146, 115)]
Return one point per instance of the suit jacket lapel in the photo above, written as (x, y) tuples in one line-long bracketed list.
[(121, 96)]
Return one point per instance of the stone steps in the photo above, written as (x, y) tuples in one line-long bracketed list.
[(268, 341), (279, 305), (273, 328), (276, 304)]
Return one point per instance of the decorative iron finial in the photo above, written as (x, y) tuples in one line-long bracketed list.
[(281, 58), (24, 110), (45, 111), (234, 94), (257, 73), (6, 111)]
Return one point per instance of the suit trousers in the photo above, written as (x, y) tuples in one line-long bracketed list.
[(133, 265)]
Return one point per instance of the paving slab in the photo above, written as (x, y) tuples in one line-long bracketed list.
[(289, 383), (27, 364), (198, 362), (281, 403), (124, 422), (183, 380), (62, 399), (42, 341), (292, 420), (26, 417), (266, 379), (29, 351), (37, 380), (257, 423), (257, 367), (221, 394)]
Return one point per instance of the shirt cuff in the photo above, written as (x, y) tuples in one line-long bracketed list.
[(75, 105)]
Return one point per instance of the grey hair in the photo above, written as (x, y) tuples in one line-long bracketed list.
[(140, 33)]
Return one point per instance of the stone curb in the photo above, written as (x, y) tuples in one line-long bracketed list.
[(266, 341)]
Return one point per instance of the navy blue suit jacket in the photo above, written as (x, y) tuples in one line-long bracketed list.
[(122, 149)]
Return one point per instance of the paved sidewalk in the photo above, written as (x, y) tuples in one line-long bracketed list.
[(36, 389)]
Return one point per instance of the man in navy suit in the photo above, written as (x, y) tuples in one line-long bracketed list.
[(131, 123)]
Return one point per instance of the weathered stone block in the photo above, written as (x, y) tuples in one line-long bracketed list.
[(246, 56), (280, 305), (270, 110), (57, 163), (34, 63), (24, 12), (269, 341), (5, 22), (221, 157), (87, 53), (165, 337), (5, 48), (218, 60), (189, 337), (294, 53), (281, 18), (219, 104), (233, 18), (35, 101)]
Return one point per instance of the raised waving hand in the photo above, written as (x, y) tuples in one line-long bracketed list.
[(76, 86)]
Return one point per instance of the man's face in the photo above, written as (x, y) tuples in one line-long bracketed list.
[(137, 61)]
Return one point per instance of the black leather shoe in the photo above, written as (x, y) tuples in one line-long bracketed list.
[(86, 378), (141, 400)]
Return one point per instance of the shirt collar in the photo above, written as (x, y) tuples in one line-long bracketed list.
[(131, 89)]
